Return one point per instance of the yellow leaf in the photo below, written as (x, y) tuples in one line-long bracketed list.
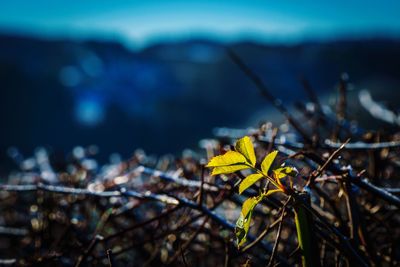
[(245, 147), (285, 171), (267, 162), (270, 192), (243, 223), (229, 158), (230, 162), (249, 181), (249, 205), (228, 169)]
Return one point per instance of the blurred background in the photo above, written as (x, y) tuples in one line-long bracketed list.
[(123, 75)]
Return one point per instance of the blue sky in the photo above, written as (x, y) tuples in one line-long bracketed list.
[(141, 22)]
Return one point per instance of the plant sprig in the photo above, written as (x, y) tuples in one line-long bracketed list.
[(242, 158)]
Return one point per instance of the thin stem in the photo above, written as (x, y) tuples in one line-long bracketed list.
[(278, 235)]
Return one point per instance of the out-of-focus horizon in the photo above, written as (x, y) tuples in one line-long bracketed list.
[(139, 23), (155, 74)]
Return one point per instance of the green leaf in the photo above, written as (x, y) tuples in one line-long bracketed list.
[(240, 231), (249, 181), (249, 205), (229, 158), (228, 169), (243, 223), (306, 235), (285, 171), (230, 162), (273, 191), (245, 147), (267, 162)]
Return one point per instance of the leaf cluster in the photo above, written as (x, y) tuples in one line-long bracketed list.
[(243, 158)]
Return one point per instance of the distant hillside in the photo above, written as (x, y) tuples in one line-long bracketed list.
[(167, 96)]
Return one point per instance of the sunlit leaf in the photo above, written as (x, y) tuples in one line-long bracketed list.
[(230, 162), (229, 158), (228, 169), (285, 171), (243, 223), (267, 162), (245, 147), (270, 192), (249, 205), (249, 181)]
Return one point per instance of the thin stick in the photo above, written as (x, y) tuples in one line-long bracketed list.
[(201, 185), (311, 94), (340, 108), (141, 224), (265, 92), (183, 257), (278, 237), (110, 258), (327, 162), (226, 261), (356, 180), (89, 250), (187, 243), (5, 262), (262, 235)]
